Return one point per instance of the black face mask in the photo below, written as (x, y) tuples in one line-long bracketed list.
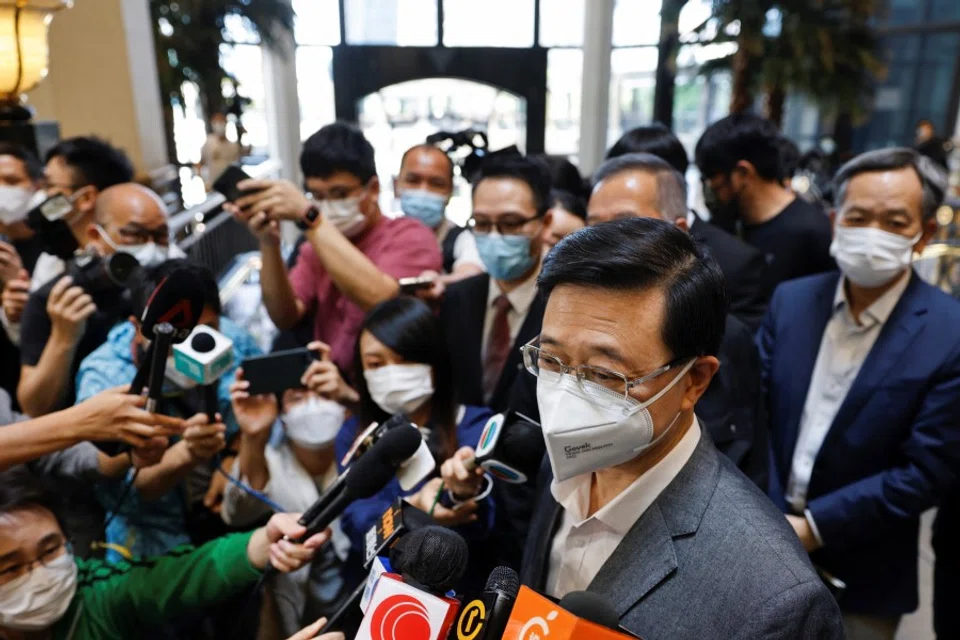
[(722, 214)]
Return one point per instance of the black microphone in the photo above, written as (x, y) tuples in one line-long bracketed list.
[(364, 479), (510, 448), (205, 343), (432, 559), (593, 607), (486, 617), (163, 335)]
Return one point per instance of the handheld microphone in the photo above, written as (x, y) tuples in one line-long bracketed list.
[(371, 435), (399, 519), (410, 606), (485, 617), (511, 448), (163, 335), (363, 479), (203, 357), (535, 615)]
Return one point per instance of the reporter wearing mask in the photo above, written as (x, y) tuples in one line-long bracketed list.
[(405, 368), (45, 592), (61, 325), (290, 464), (173, 499)]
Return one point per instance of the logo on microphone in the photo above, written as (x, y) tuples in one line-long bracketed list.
[(400, 617), (537, 628), (471, 620)]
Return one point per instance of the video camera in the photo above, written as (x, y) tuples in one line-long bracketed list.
[(106, 280)]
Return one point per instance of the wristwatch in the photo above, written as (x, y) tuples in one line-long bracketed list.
[(310, 217)]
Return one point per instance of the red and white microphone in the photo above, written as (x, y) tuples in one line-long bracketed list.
[(410, 604)]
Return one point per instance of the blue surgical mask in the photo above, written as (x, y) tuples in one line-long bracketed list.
[(505, 257), (425, 206)]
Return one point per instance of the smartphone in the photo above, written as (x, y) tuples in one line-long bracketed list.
[(226, 183), (277, 372), (412, 285)]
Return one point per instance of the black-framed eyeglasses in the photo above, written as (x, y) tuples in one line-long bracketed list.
[(55, 551), (506, 226), (592, 380)]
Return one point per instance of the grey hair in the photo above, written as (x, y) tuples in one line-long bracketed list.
[(671, 186), (933, 179)]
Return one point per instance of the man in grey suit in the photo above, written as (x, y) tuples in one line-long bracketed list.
[(637, 504)]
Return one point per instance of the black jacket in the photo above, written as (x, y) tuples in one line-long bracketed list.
[(743, 268)]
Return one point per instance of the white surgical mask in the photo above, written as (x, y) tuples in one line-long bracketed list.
[(871, 257), (15, 203), (37, 600), (149, 254), (345, 215), (592, 429), (400, 387), (314, 423)]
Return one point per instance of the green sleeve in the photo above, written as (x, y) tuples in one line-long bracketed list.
[(131, 597)]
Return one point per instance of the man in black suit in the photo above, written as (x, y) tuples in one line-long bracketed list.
[(641, 185), (487, 318), (743, 266)]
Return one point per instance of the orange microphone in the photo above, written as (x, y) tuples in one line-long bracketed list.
[(535, 617)]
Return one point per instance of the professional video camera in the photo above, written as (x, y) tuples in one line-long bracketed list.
[(107, 280)]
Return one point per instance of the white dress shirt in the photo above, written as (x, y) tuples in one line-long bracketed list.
[(583, 544), (843, 349), (520, 300)]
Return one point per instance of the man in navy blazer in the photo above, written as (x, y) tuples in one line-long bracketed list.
[(862, 375)]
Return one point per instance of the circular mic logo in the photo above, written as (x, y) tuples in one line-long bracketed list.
[(471, 620), (400, 617)]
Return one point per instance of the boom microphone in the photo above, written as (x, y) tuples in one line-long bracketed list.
[(485, 618)]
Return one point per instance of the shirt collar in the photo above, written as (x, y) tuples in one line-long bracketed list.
[(622, 512), (520, 298), (882, 307)]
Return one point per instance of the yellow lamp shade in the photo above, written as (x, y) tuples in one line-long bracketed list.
[(23, 43)]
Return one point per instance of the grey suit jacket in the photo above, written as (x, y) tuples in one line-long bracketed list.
[(711, 558)]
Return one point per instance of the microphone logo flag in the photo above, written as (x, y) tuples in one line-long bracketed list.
[(399, 616), (471, 620)]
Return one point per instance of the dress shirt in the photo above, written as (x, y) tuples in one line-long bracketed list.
[(583, 544), (843, 349), (520, 300)]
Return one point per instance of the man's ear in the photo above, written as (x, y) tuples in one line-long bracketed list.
[(374, 188), (930, 228), (681, 223), (86, 199), (701, 373)]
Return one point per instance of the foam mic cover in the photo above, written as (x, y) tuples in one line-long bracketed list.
[(432, 558), (177, 300), (203, 342), (593, 607)]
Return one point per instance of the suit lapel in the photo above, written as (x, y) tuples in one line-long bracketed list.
[(805, 339), (907, 320), (646, 556)]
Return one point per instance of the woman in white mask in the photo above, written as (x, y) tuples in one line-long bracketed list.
[(403, 366), (285, 462)]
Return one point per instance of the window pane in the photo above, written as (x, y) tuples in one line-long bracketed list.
[(315, 88), (488, 23), (944, 10), (397, 22), (245, 63), (561, 23), (564, 86), (636, 22), (239, 30), (318, 22), (632, 81)]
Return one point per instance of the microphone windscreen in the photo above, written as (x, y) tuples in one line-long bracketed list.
[(522, 447), (178, 299), (436, 557), (505, 580), (203, 343), (375, 468), (593, 607)]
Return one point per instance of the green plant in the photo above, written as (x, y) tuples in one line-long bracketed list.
[(188, 36)]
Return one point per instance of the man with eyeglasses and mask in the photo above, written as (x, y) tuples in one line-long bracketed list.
[(61, 324), (487, 317), (862, 375), (353, 256), (637, 505)]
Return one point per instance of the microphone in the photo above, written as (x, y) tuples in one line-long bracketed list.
[(409, 606), (485, 618), (510, 449), (364, 479), (371, 435), (535, 615), (177, 301), (204, 357), (399, 519)]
